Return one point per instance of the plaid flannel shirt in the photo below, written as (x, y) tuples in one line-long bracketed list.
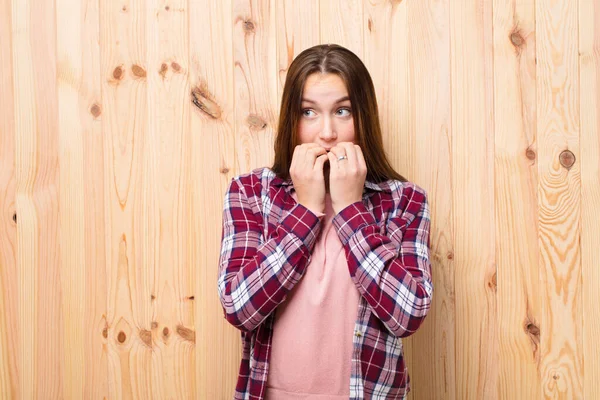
[(267, 241)]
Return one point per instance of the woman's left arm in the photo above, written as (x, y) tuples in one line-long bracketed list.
[(392, 272)]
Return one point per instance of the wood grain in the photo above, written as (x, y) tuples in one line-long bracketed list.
[(589, 75), (218, 349), (168, 157), (298, 30), (69, 53), (343, 24), (37, 199), (432, 365), (561, 364), (255, 82), (473, 200), (517, 249), (10, 337), (386, 57), (132, 209), (90, 107)]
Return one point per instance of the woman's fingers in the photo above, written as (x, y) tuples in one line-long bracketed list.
[(320, 161), (360, 157), (350, 152), (305, 157)]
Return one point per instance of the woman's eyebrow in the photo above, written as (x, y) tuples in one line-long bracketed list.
[(341, 99)]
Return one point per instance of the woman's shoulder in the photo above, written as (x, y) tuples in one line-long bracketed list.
[(254, 181), (398, 189)]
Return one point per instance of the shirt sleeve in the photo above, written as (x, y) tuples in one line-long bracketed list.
[(392, 272), (255, 275)]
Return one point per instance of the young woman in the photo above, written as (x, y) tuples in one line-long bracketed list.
[(324, 262)]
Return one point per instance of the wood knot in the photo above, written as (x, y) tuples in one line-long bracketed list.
[(163, 69), (249, 26), (450, 255), (256, 122), (186, 333), (166, 332), (95, 110), (493, 283), (167, 8), (191, 298), (370, 24), (224, 170), (176, 67), (138, 71), (530, 154), (154, 325), (532, 329), (516, 39), (121, 337), (146, 337), (105, 333), (203, 100), (152, 297), (118, 73), (555, 377), (567, 159), (15, 218), (124, 8)]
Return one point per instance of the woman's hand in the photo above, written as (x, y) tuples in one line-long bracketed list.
[(306, 172), (347, 176)]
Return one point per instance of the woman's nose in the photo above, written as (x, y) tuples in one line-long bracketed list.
[(327, 129)]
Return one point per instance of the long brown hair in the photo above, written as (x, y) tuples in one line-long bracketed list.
[(335, 59)]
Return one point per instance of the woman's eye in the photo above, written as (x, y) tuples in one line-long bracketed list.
[(343, 112), (308, 112)]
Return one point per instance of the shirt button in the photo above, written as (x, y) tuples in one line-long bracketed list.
[(358, 333)]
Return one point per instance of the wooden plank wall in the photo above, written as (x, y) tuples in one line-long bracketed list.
[(122, 123)]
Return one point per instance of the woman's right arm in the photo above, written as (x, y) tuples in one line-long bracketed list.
[(255, 275)]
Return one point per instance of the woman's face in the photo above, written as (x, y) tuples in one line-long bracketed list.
[(326, 117)]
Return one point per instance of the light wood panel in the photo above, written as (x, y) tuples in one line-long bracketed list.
[(218, 347), (561, 364), (343, 24), (132, 220), (255, 83), (385, 55), (70, 37), (517, 250), (90, 108), (473, 200), (299, 30), (432, 363), (37, 199), (168, 157), (10, 336), (589, 78)]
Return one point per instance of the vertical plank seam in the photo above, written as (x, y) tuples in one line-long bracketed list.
[(537, 195), (236, 164), (451, 158), (319, 14), (492, 161), (581, 298)]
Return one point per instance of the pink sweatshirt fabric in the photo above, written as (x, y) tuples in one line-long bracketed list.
[(313, 332)]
